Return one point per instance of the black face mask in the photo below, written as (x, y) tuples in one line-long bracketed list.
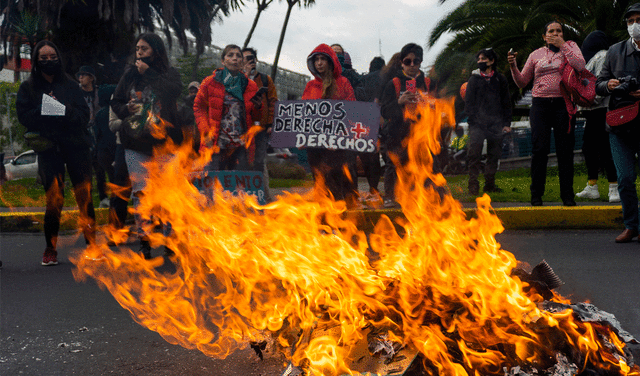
[(553, 48), (50, 67), (483, 66), (146, 60)]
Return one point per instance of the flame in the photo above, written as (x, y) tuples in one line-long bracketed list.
[(434, 281)]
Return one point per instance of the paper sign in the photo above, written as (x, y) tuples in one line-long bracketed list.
[(51, 107)]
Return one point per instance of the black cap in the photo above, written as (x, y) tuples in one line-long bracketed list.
[(86, 69), (633, 8)]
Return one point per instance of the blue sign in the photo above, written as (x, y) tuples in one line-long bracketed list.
[(247, 182)]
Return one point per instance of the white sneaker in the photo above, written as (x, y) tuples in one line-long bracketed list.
[(590, 191), (614, 195), (104, 203)]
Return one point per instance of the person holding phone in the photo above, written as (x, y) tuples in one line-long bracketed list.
[(402, 92), (548, 109), (67, 139), (265, 99), (225, 109)]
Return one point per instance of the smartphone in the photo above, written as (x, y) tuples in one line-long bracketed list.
[(261, 91), (510, 51), (411, 86)]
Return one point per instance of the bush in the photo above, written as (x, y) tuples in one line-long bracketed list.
[(286, 170)]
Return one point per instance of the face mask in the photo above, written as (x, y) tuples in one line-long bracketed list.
[(483, 66), (553, 48), (634, 31), (50, 67)]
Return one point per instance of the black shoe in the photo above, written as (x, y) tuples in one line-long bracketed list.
[(536, 201), (492, 189), (569, 202), (145, 249)]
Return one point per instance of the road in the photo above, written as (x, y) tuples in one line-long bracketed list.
[(53, 325)]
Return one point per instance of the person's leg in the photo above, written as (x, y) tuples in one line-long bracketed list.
[(540, 146), (591, 142), (101, 179), (51, 171), (564, 134), (494, 152), (262, 142), (623, 151), (138, 173), (120, 195), (79, 169), (474, 153)]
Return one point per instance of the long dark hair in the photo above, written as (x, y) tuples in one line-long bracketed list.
[(160, 58), (35, 70)]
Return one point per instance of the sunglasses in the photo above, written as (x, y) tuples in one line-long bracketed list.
[(408, 62)]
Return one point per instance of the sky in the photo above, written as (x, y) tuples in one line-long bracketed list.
[(365, 28)]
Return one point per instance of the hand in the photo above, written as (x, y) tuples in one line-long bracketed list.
[(612, 84), (506, 129), (142, 66), (511, 58), (133, 107), (406, 98), (556, 40), (257, 102), (635, 94)]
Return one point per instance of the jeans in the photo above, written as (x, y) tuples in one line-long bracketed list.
[(477, 135), (623, 149), (547, 113)]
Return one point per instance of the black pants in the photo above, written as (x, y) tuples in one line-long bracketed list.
[(51, 167), (596, 147), (372, 169), (477, 135), (120, 195), (545, 114)]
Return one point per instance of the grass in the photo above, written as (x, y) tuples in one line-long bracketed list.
[(514, 183)]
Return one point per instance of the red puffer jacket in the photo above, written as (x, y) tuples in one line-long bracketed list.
[(313, 90), (209, 104)]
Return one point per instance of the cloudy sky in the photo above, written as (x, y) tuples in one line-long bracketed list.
[(365, 28)]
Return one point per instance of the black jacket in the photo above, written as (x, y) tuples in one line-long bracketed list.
[(488, 103), (622, 60), (69, 130), (396, 128), (166, 87)]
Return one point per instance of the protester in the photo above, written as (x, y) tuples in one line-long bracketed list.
[(347, 69), (596, 146), (488, 106), (224, 112), (329, 83), (60, 141), (548, 109), (87, 78), (393, 104), (266, 102), (368, 93), (149, 84), (619, 68)]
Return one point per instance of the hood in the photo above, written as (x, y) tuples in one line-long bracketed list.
[(593, 43), (324, 49)]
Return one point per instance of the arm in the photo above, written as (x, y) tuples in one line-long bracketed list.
[(77, 112), (572, 53), (470, 100), (272, 98), (523, 78), (201, 113), (28, 108), (121, 95), (605, 75), (389, 107)]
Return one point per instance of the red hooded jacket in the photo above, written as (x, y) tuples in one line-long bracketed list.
[(209, 104), (313, 90)]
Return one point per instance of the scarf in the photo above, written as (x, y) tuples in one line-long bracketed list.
[(234, 85)]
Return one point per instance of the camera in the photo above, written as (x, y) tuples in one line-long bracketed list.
[(627, 85)]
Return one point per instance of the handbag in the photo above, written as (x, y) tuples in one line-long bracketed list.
[(579, 86), (622, 115)]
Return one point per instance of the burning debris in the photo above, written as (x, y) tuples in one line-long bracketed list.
[(441, 298)]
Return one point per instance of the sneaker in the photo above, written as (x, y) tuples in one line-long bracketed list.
[(50, 257), (391, 204), (104, 203), (614, 195), (590, 191)]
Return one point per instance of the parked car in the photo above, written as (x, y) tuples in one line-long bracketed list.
[(24, 165), (280, 155)]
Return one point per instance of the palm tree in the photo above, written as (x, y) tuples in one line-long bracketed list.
[(262, 5), (92, 31), (290, 5)]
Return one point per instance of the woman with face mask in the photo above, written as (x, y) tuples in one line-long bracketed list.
[(147, 92), (329, 83), (548, 109), (488, 106), (61, 140)]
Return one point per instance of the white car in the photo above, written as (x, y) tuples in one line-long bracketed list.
[(24, 165)]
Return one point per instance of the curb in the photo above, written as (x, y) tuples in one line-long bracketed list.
[(512, 218)]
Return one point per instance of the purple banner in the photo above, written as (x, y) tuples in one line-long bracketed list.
[(324, 123)]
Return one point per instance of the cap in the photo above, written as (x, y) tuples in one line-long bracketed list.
[(86, 69), (195, 84), (633, 8)]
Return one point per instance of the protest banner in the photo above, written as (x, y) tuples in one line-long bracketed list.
[(325, 123), (236, 182)]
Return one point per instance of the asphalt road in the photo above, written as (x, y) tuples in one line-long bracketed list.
[(52, 325)]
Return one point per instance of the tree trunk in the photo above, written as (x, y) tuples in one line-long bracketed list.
[(274, 69), (253, 27)]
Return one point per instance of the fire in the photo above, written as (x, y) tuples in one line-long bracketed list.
[(300, 272)]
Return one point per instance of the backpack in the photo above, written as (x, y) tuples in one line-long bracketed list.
[(579, 88), (396, 84)]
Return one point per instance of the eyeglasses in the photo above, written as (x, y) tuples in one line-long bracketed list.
[(408, 62)]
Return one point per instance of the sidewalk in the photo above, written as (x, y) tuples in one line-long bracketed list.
[(514, 215)]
